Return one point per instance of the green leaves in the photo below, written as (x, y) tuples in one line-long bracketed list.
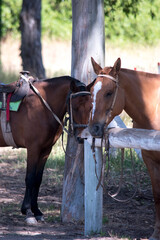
[(10, 11), (129, 20), (57, 18), (132, 20)]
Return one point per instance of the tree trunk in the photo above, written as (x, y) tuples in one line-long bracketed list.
[(30, 25), (87, 41)]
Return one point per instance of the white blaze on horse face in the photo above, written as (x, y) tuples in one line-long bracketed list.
[(97, 88)]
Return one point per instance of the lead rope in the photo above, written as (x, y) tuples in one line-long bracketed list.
[(46, 104), (42, 99), (101, 177), (121, 177), (121, 180)]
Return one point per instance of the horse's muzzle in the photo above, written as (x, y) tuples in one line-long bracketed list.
[(77, 134), (97, 130)]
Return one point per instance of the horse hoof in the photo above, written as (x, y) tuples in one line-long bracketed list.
[(31, 221), (40, 218)]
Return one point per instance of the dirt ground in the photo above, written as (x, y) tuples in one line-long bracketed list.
[(132, 220)]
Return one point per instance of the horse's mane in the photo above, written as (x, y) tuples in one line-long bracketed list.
[(141, 73), (61, 79)]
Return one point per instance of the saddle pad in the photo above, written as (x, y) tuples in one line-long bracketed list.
[(13, 106)]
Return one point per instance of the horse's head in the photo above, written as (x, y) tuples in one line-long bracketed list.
[(80, 105), (106, 97)]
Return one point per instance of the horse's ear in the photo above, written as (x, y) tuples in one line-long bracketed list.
[(117, 66), (96, 67), (90, 85), (73, 87)]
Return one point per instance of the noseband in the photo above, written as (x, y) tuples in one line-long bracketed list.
[(74, 125), (115, 95)]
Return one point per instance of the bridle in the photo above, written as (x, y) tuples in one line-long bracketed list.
[(106, 151), (74, 125), (108, 115)]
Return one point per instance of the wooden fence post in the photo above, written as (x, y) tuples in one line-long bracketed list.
[(87, 41)]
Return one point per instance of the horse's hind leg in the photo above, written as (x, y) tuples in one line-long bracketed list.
[(33, 154), (26, 205), (154, 171), (35, 165), (38, 179)]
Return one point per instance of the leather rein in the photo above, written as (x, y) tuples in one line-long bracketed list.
[(72, 95)]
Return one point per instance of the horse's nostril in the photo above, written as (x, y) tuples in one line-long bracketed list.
[(96, 130), (80, 140)]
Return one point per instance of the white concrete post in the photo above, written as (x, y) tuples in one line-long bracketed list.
[(93, 197)]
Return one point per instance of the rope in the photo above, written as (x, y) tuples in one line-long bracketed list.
[(100, 179), (105, 156), (46, 104), (121, 180)]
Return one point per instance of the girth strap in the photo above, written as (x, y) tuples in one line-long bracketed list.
[(6, 130), (5, 125)]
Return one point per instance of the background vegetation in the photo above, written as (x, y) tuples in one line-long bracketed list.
[(129, 20)]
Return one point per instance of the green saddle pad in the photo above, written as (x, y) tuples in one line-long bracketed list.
[(13, 106)]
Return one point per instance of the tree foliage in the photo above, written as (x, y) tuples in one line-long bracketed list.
[(57, 18), (133, 20), (10, 11)]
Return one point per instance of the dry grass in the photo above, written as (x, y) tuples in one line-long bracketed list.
[(143, 58), (57, 56)]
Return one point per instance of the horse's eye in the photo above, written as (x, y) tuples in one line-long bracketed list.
[(108, 94)]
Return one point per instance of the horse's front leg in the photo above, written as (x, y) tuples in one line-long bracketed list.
[(153, 165)]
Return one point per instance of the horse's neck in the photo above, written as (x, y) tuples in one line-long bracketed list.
[(142, 98), (56, 94)]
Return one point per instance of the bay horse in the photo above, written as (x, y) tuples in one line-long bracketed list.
[(35, 128), (138, 93)]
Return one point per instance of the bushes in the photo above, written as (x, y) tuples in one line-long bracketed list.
[(130, 20), (10, 11), (57, 18), (136, 23)]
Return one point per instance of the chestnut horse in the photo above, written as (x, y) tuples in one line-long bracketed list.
[(138, 93), (35, 128)]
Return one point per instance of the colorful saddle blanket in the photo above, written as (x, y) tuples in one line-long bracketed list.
[(13, 106)]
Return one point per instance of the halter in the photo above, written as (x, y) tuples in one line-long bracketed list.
[(108, 115), (115, 95), (109, 76), (74, 125)]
